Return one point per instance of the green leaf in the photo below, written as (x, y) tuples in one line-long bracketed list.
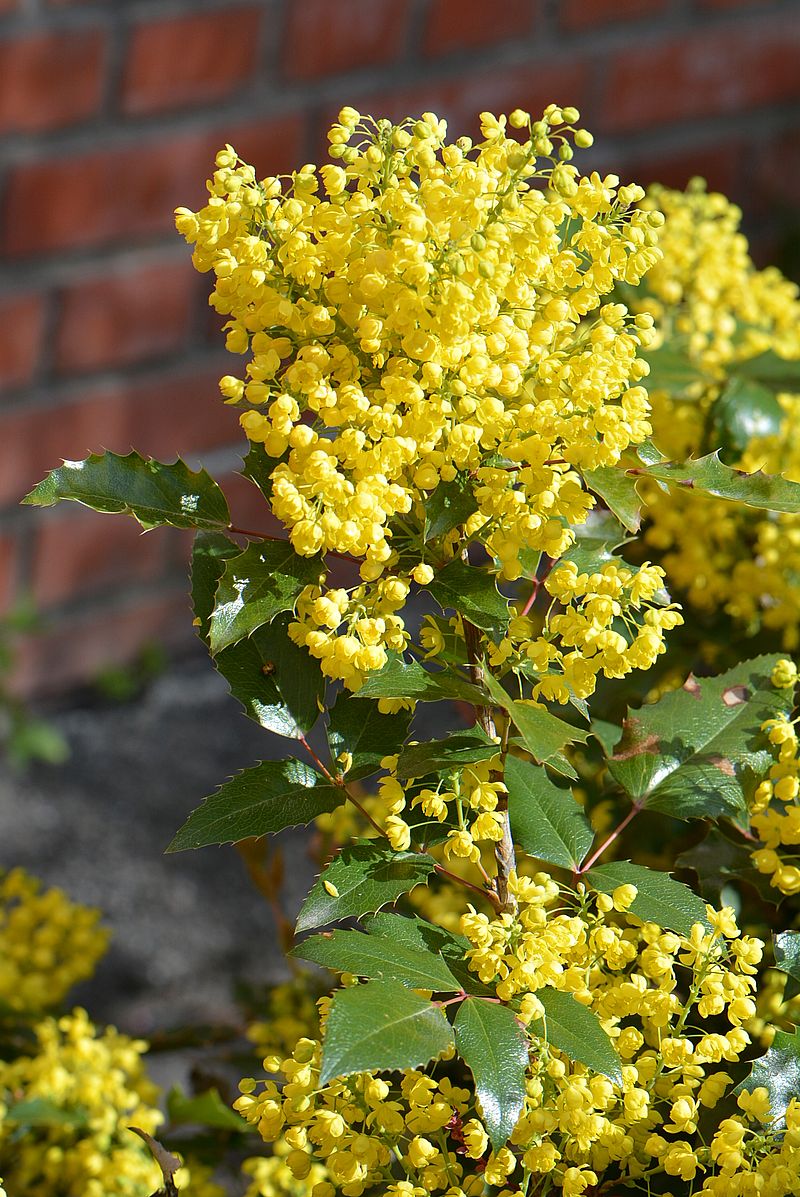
[(364, 877), (210, 551), (595, 542), (449, 506), (660, 899), (695, 751), (618, 491), (744, 411), (206, 1109), (671, 370), (780, 373), (473, 592), (39, 1111), (545, 820), (709, 475), (279, 684), (256, 586), (720, 862), (543, 735), (453, 752), (377, 957), (494, 1047), (258, 801), (607, 734), (363, 732), (409, 679), (786, 947), (416, 932), (576, 1031), (257, 467), (380, 1027), (777, 1071), (153, 492)]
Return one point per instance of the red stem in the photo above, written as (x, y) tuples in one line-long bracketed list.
[(615, 834)]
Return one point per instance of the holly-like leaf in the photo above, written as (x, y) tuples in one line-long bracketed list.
[(543, 735), (279, 684), (709, 475), (376, 957), (259, 801), (779, 373), (618, 491), (416, 932), (409, 679), (596, 540), (777, 1071), (720, 861), (786, 947), (545, 820), (671, 370), (576, 1031), (256, 586), (693, 753), (204, 1109), (360, 730), (362, 878), (449, 506), (453, 752), (257, 467), (494, 1047), (660, 898), (744, 411), (380, 1027), (210, 551), (153, 492), (472, 592)]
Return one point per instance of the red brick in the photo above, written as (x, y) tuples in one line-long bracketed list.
[(329, 37), (776, 179), (190, 60), (710, 73), (454, 25), (8, 571), (161, 417), (122, 194), (50, 79), (723, 4), (717, 163), (77, 554), (75, 650), (127, 317), (576, 15), (21, 327)]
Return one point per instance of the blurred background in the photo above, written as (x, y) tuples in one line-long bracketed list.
[(111, 112)]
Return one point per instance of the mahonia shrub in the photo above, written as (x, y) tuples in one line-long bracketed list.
[(447, 346)]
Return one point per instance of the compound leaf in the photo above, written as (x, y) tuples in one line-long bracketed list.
[(618, 491), (786, 946), (409, 679), (449, 506), (709, 475), (461, 748), (472, 592)]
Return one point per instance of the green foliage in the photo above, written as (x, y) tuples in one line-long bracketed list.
[(495, 1049), (259, 801), (205, 1109), (786, 946), (381, 1026), (577, 1033), (744, 411), (471, 591), (462, 748), (546, 821), (777, 1071), (363, 877), (660, 899), (360, 731), (379, 958), (151, 491), (410, 679), (450, 505), (255, 586), (618, 491), (709, 475)]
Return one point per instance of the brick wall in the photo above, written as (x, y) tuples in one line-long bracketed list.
[(110, 113)]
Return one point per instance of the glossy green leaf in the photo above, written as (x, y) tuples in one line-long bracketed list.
[(471, 591), (256, 586), (259, 801), (543, 735), (376, 957), (362, 878), (744, 411), (671, 370), (415, 932), (777, 1071), (786, 947), (720, 861), (709, 475), (596, 540), (608, 735), (380, 1027), (779, 373), (449, 506), (279, 684), (204, 1109), (494, 1047), (210, 551), (576, 1031), (360, 730), (545, 821), (257, 467), (694, 752), (409, 679), (453, 752), (660, 898), (153, 492), (618, 491)]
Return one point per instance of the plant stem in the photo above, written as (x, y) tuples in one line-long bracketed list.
[(504, 850), (484, 893), (615, 834)]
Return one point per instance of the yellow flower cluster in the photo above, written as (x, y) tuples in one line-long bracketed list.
[(47, 943), (96, 1080), (711, 303), (775, 806), (675, 1007), (426, 310)]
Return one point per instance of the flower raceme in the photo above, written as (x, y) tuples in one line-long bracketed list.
[(419, 312)]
